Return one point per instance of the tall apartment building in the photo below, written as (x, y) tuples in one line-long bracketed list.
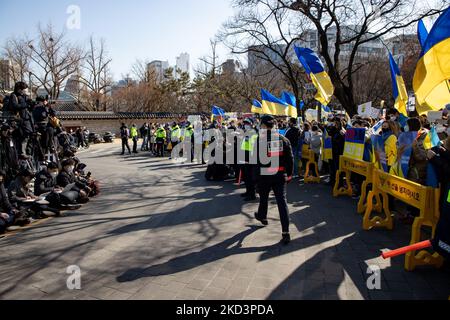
[(158, 68)]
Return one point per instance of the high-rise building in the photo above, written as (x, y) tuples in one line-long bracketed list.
[(257, 56), (403, 47), (73, 85), (158, 69), (182, 63), (6, 79)]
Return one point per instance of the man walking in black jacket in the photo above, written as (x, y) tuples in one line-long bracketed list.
[(275, 175)]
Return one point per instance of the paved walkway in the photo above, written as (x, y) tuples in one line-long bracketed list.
[(160, 231)]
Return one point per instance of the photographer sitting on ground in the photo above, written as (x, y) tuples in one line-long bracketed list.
[(45, 184), (23, 197), (8, 214), (67, 177)]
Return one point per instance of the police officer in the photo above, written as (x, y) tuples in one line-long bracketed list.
[(134, 137), (175, 136), (274, 175), (189, 139), (248, 169), (160, 140)]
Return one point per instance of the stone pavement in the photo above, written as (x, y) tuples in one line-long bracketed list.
[(160, 231)]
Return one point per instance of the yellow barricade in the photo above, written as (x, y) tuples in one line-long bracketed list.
[(425, 199), (310, 156), (347, 166)]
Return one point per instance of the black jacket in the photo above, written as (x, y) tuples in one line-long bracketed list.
[(20, 104), (277, 147), (6, 206), (441, 164), (8, 157), (17, 190), (293, 135), (338, 143), (44, 183), (64, 179)]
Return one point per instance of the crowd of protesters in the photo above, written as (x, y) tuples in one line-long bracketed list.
[(40, 175), (160, 139)]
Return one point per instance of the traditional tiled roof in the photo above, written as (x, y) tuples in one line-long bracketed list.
[(87, 115)]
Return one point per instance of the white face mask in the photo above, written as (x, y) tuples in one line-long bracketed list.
[(406, 128), (394, 118), (70, 169), (54, 174), (247, 127)]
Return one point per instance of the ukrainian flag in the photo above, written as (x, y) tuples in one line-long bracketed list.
[(432, 139), (398, 88), (273, 105), (290, 99), (432, 77), (257, 107), (217, 113), (315, 69)]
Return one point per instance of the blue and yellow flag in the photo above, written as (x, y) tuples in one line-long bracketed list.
[(327, 147), (273, 105), (290, 99), (432, 77), (315, 69), (432, 139), (217, 113), (257, 107), (398, 88)]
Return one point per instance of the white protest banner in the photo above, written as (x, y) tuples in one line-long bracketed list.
[(367, 110)]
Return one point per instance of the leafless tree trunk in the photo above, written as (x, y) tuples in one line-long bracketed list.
[(209, 66), (96, 76)]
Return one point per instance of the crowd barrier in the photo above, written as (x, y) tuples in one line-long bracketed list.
[(308, 154), (425, 199), (348, 166)]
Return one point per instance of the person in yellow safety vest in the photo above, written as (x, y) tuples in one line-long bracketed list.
[(248, 170), (175, 135), (160, 140), (135, 137), (189, 138)]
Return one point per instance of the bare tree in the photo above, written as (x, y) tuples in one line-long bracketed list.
[(353, 24), (16, 50), (209, 65), (54, 60), (141, 72), (96, 76), (267, 33)]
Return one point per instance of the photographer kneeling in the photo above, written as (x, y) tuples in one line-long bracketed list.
[(45, 185)]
